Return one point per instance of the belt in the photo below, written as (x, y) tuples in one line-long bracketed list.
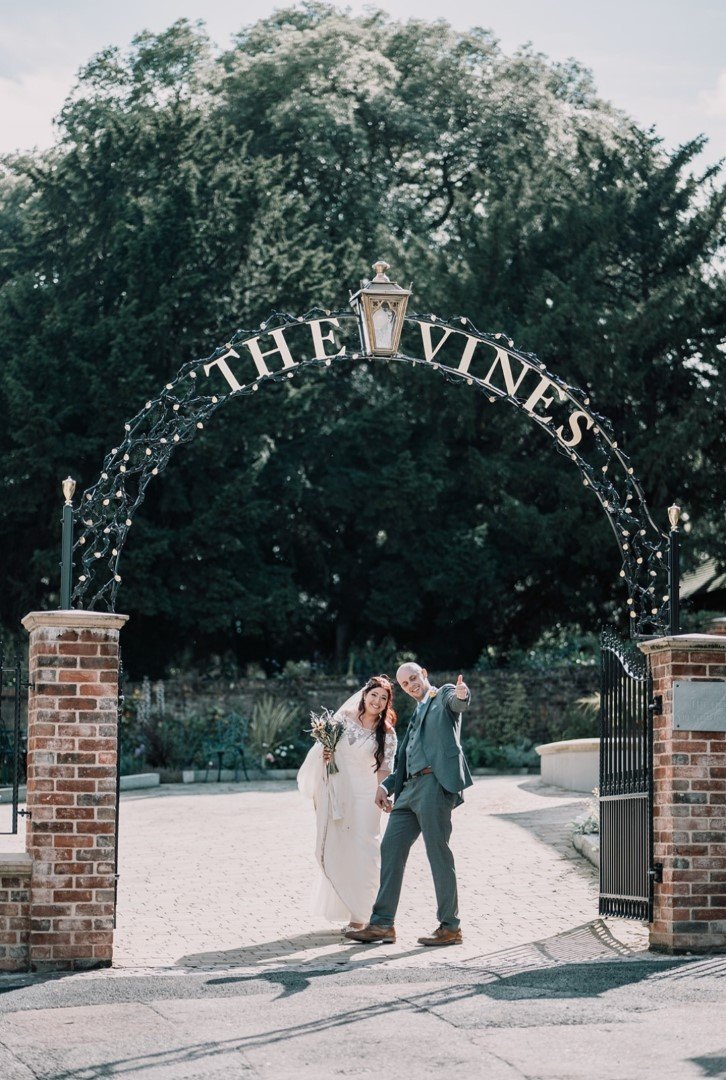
[(421, 772)]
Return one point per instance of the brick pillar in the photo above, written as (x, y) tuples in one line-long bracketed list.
[(72, 747), (15, 871), (689, 804)]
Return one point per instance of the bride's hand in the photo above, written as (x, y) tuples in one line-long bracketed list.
[(383, 802), (327, 756)]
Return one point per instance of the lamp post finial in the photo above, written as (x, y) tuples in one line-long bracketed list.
[(69, 489), (674, 515)]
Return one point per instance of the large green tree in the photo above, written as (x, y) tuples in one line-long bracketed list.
[(191, 191)]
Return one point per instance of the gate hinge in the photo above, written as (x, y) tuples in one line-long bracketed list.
[(656, 872), (656, 705), (26, 813)]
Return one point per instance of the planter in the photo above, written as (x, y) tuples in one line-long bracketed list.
[(588, 844), (486, 771), (6, 794), (213, 775), (573, 764), (209, 776), (139, 780)]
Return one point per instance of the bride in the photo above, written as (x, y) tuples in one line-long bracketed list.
[(348, 837)]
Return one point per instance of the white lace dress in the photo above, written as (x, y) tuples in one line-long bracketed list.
[(348, 839)]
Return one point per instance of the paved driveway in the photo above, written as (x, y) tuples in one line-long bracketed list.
[(220, 874), (222, 972)]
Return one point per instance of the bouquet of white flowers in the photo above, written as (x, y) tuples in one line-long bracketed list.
[(326, 730)]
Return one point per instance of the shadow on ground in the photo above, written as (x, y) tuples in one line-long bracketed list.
[(551, 825), (591, 942), (712, 1065), (502, 979), (535, 786), (291, 951), (584, 963)]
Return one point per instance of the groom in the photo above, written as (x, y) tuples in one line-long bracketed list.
[(430, 775)]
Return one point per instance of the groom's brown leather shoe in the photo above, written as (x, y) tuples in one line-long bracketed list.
[(384, 935), (442, 936)]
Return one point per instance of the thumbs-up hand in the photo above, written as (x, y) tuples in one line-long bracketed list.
[(462, 690)]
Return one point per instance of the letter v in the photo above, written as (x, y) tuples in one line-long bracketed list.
[(429, 350)]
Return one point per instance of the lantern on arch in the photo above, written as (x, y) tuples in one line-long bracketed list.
[(380, 306)]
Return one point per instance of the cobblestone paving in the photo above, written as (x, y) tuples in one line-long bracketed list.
[(220, 875)]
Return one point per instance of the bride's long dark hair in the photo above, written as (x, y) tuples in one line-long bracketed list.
[(386, 720)]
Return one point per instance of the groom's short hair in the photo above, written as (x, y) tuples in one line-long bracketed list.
[(409, 664)]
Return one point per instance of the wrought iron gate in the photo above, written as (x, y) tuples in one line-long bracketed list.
[(13, 733), (626, 782)]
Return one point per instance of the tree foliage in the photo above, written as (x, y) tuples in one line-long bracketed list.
[(191, 191)]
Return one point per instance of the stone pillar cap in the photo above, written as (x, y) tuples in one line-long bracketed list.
[(683, 642), (74, 619), (15, 863)]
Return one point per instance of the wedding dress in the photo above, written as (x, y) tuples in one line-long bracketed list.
[(348, 838)]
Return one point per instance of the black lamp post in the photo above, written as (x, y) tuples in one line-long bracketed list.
[(69, 487), (674, 572)]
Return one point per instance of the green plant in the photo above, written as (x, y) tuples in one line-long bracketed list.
[(590, 704), (484, 754), (559, 646), (576, 722), (521, 755), (154, 736), (271, 720), (297, 669), (157, 741), (504, 708), (376, 657)]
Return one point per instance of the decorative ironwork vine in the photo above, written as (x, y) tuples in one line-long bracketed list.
[(185, 405)]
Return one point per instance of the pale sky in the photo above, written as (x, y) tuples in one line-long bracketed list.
[(663, 61)]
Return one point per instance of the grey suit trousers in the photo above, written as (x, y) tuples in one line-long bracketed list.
[(423, 808)]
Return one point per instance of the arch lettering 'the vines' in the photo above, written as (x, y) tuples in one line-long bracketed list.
[(284, 346)]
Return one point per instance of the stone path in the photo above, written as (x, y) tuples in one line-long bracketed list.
[(219, 875)]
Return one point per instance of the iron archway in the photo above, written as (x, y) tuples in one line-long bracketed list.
[(454, 348)]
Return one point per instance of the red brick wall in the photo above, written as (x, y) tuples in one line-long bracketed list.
[(14, 911), (72, 746), (689, 771)]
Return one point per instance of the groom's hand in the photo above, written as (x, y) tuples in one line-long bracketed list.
[(461, 690), (383, 801)]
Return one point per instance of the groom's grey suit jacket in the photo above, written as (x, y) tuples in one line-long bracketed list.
[(441, 739)]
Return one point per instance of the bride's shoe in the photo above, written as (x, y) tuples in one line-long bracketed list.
[(352, 926)]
